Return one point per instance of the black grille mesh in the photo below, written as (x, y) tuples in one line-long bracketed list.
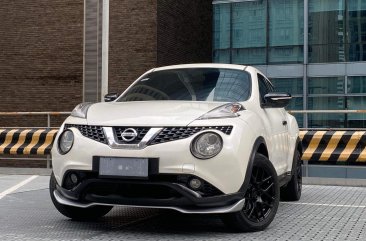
[(141, 132), (93, 132), (167, 134), (178, 133)]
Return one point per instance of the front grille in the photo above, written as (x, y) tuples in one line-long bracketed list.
[(141, 132), (167, 134), (95, 133), (178, 133)]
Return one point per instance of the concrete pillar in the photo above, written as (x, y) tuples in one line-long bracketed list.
[(96, 30)]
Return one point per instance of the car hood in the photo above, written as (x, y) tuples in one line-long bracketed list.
[(148, 113)]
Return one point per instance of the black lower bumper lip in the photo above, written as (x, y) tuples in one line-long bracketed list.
[(235, 207), (172, 196)]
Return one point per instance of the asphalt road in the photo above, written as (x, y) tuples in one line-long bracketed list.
[(323, 213)]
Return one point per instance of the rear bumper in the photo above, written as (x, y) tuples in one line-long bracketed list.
[(164, 195)]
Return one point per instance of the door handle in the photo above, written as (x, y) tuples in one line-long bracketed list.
[(284, 123)]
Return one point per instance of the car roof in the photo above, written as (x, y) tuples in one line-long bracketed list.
[(208, 65)]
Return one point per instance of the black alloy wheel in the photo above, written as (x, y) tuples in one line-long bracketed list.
[(260, 196), (261, 199)]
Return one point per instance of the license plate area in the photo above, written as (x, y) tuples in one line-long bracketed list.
[(123, 167)]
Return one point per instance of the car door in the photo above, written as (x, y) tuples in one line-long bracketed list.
[(275, 124)]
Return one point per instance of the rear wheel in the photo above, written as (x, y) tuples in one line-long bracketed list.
[(292, 190), (81, 214), (261, 199)]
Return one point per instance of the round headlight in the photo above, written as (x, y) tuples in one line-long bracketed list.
[(65, 141), (206, 145)]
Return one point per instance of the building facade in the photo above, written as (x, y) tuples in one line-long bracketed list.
[(42, 64), (42, 42), (313, 49)]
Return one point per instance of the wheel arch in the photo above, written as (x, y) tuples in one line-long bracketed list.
[(298, 148), (259, 146)]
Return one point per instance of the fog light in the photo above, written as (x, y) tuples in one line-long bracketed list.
[(195, 183), (74, 178)]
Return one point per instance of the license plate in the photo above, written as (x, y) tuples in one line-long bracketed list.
[(123, 167)]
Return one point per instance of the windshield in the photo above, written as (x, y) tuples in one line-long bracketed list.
[(195, 84)]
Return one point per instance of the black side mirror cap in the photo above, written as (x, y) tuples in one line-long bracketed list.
[(276, 100), (110, 97)]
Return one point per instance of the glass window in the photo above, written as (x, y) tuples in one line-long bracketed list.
[(296, 103), (249, 32), (198, 84), (299, 119), (356, 19), (326, 120), (356, 85), (326, 103), (322, 120), (322, 53), (326, 85), (263, 88), (326, 31), (357, 52), (249, 24), (221, 23), (221, 56), (286, 54), (294, 86), (249, 56), (356, 120), (286, 31)]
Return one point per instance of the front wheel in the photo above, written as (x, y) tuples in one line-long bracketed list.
[(81, 214), (261, 199)]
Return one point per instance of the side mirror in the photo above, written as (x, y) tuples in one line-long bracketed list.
[(276, 100), (110, 97)]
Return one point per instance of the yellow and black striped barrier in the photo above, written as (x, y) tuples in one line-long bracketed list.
[(328, 147), (334, 147), (26, 141)]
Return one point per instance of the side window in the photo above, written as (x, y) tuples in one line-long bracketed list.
[(270, 86), (263, 88)]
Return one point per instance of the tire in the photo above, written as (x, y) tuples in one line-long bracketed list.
[(261, 199), (75, 213), (292, 190)]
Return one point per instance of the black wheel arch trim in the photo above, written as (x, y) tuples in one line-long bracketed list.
[(299, 148), (258, 142)]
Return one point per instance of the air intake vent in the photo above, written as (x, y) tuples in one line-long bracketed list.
[(93, 132), (178, 133)]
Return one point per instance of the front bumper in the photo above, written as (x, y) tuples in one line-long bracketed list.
[(146, 193), (226, 171)]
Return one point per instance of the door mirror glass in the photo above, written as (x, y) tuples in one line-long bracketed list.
[(110, 97), (276, 100)]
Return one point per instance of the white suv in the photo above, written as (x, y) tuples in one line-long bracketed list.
[(199, 138)]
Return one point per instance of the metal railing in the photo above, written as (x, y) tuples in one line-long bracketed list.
[(327, 111), (305, 112), (49, 115)]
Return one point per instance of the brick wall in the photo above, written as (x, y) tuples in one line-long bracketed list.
[(41, 50), (184, 32), (41, 57), (132, 41), (150, 33), (41, 46)]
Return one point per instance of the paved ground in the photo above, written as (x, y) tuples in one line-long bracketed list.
[(324, 213)]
